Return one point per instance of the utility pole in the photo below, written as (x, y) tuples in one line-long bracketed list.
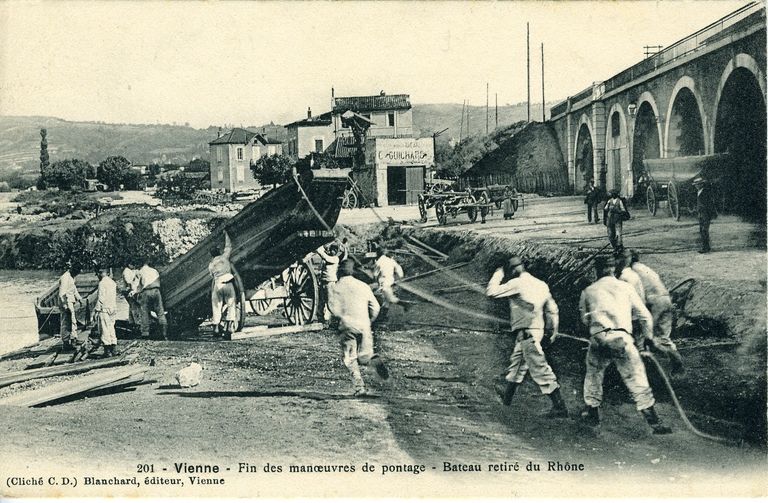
[(486, 109), (468, 131), (528, 66), (543, 101), (461, 128), (497, 110)]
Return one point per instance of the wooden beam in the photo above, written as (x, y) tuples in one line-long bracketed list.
[(427, 247), (80, 384), (261, 330), (40, 347), (57, 370), (433, 271)]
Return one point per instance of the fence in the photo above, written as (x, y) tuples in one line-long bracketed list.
[(531, 183)]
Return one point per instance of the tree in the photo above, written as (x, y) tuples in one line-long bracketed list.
[(272, 170), (44, 160), (113, 171), (199, 166), (67, 174)]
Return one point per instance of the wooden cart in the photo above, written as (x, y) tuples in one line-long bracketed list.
[(669, 181)]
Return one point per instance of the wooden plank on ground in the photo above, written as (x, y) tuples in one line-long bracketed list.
[(433, 271), (81, 384), (258, 331), (40, 347), (66, 368)]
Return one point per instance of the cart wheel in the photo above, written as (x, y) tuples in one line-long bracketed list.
[(472, 210), (673, 201), (239, 302), (350, 199), (515, 201), (422, 208), (262, 306), (440, 213), (485, 199), (650, 200), (301, 303)]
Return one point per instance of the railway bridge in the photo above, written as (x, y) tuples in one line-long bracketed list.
[(704, 94)]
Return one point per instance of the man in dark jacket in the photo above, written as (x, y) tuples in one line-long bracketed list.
[(592, 199), (706, 208)]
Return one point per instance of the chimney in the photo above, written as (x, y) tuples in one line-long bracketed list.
[(309, 113)]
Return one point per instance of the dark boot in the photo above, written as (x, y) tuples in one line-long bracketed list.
[(677, 362), (558, 410), (590, 416), (379, 367), (508, 393), (654, 421)]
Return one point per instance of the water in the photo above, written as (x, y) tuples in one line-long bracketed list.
[(18, 290)]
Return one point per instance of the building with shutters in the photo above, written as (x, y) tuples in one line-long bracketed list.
[(231, 156), (396, 163)]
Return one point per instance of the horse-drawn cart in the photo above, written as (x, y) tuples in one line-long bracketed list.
[(670, 180), (452, 203), (270, 239)]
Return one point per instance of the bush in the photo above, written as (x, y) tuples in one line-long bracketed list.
[(272, 170), (67, 174)]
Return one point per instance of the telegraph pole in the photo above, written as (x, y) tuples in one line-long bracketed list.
[(461, 128), (543, 101), (468, 132), (486, 109), (497, 110), (528, 66)]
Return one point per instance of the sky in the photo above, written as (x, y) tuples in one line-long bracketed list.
[(237, 62)]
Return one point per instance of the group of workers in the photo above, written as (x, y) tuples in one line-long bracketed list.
[(139, 286), (626, 310), (616, 212)]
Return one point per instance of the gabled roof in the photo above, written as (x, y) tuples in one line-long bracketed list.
[(371, 103), (237, 135), (342, 147), (265, 140), (318, 120)]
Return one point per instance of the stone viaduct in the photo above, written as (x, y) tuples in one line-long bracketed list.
[(704, 94)]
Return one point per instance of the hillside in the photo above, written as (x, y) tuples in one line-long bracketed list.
[(166, 143), (431, 118)]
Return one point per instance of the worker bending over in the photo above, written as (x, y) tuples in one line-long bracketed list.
[(607, 308), (331, 255), (129, 286), (353, 303), (659, 303), (151, 300), (533, 317), (222, 289)]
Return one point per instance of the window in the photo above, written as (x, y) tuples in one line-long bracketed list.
[(218, 154), (319, 145), (239, 153), (615, 124), (220, 174), (241, 173), (391, 119)]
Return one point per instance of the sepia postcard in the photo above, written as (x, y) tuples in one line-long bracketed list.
[(383, 250)]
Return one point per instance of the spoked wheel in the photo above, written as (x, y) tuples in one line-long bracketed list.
[(301, 303), (472, 210), (515, 202), (442, 218), (262, 306), (650, 200), (673, 201), (350, 199), (484, 200), (422, 208)]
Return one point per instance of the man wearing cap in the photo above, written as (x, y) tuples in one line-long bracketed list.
[(607, 308), (151, 300), (592, 199), (533, 318), (706, 209), (353, 303), (222, 288), (105, 311), (68, 296), (659, 303), (614, 214)]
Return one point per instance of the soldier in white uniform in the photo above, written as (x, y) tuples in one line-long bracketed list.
[(68, 298), (659, 303), (105, 311), (222, 289), (353, 303), (151, 300), (533, 316), (608, 307)]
